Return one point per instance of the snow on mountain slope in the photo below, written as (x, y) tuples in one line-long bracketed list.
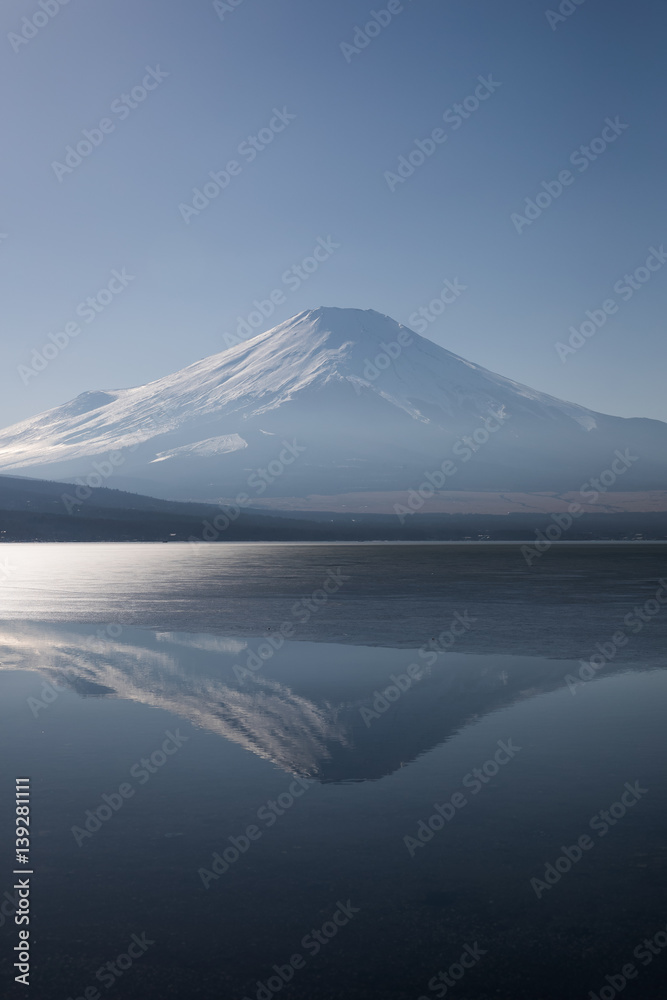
[(363, 403)]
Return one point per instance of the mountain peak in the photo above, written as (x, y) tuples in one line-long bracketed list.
[(364, 403), (337, 322), (340, 322)]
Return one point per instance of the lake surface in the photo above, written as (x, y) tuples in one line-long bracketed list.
[(338, 770)]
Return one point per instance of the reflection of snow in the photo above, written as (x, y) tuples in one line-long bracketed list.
[(312, 725), (266, 718), (212, 643)]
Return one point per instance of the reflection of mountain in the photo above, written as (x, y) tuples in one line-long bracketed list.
[(302, 710), (270, 720)]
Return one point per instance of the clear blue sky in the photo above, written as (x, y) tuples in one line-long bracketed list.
[(324, 175)]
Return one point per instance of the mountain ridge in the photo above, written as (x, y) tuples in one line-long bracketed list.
[(367, 403)]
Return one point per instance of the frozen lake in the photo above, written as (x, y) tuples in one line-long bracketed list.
[(326, 771)]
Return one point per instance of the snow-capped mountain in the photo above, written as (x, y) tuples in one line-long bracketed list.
[(332, 401)]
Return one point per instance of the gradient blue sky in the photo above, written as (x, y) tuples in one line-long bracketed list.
[(324, 176)]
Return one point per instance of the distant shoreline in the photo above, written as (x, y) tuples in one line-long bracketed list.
[(452, 543)]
